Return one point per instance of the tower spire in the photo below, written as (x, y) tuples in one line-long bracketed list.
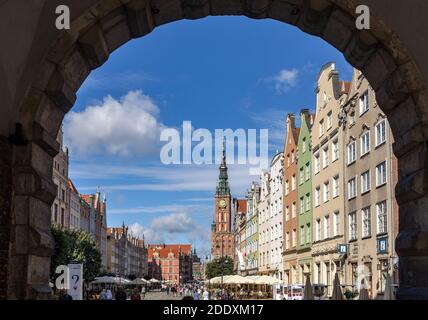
[(223, 183)]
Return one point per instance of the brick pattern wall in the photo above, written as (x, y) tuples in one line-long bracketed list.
[(5, 187)]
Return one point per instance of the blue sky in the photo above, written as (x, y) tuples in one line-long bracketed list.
[(218, 73)]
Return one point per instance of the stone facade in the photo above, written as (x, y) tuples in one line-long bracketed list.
[(328, 177), (45, 69), (61, 205), (239, 212), (251, 231), (126, 254), (371, 209)]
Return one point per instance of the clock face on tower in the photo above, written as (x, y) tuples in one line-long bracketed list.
[(222, 203)]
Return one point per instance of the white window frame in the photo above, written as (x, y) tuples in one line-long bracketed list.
[(365, 184), (327, 226), (350, 160), (382, 217), (353, 226), (381, 183), (325, 157), (352, 195), (317, 196), (336, 223), (366, 221), (365, 144), (378, 141), (364, 103), (336, 186), (317, 160), (326, 191)]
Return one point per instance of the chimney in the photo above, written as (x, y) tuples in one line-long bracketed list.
[(291, 121)]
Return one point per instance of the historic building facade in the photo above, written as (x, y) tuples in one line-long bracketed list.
[(239, 212), (328, 177), (302, 182), (291, 223), (276, 216), (170, 263), (61, 205), (126, 254), (222, 238), (264, 225), (251, 231), (370, 175)]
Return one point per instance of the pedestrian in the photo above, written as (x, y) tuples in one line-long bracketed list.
[(135, 295), (167, 290), (205, 295), (109, 295), (63, 295), (120, 294), (143, 292)]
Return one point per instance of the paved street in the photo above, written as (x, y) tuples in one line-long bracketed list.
[(160, 296)]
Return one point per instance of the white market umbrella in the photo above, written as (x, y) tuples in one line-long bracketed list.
[(389, 291), (337, 291)]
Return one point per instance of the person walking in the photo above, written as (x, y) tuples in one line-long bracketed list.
[(143, 292), (135, 295), (120, 294), (205, 295), (109, 295)]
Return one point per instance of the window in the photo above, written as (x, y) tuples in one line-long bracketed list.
[(292, 156), (63, 194), (365, 143), (317, 163), (335, 150), (301, 176), (293, 210), (288, 160), (365, 182), (293, 183), (294, 238), (382, 226), (351, 152), (326, 227), (302, 209), (381, 174), (380, 133), (326, 192), (364, 103), (318, 230), (336, 223), (352, 226), (352, 188), (307, 172), (336, 186), (302, 235), (321, 132), (287, 213), (366, 218), (325, 158), (329, 121), (317, 197), (308, 233), (56, 213), (287, 240), (287, 187), (304, 145), (308, 202)]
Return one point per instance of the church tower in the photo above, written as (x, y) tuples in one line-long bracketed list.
[(221, 228)]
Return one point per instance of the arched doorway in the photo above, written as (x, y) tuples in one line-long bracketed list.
[(99, 27)]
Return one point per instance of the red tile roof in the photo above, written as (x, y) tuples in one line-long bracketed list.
[(72, 187), (165, 249)]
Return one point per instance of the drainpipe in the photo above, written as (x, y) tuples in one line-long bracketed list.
[(392, 198)]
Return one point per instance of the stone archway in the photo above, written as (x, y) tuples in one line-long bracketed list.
[(101, 26)]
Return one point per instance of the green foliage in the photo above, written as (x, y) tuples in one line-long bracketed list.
[(76, 246), (215, 267)]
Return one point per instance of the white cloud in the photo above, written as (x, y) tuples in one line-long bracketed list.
[(165, 178), (124, 127), (284, 80), (169, 227)]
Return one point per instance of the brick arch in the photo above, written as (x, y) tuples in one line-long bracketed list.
[(108, 24)]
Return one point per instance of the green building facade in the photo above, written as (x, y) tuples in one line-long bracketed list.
[(304, 202)]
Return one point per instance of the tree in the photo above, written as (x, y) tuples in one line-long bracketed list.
[(215, 267), (76, 246)]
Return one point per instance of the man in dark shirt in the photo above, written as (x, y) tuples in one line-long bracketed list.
[(63, 295), (120, 294)]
